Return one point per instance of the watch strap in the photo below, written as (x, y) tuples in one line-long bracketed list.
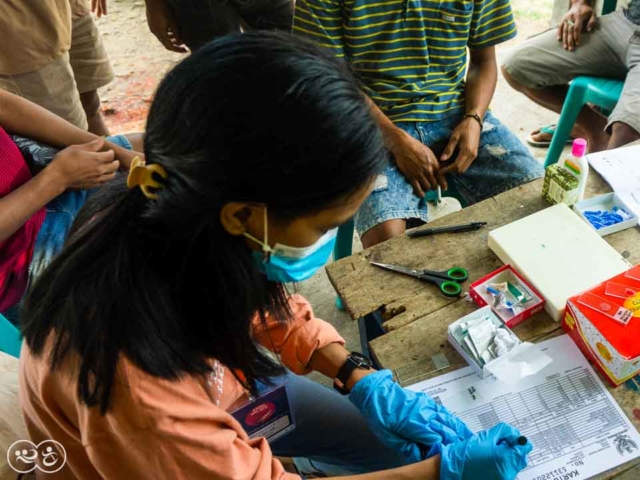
[(476, 117), (347, 369)]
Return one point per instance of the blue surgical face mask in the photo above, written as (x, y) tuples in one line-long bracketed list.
[(285, 264)]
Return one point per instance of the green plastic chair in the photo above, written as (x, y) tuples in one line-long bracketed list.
[(10, 340), (603, 92)]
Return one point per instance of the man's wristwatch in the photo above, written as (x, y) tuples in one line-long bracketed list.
[(476, 117), (354, 360)]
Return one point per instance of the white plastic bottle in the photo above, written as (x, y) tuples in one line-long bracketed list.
[(578, 152)]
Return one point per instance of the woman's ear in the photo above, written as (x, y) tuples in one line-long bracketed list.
[(238, 217)]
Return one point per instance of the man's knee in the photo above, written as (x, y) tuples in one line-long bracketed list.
[(511, 80), (622, 134), (90, 103), (522, 67), (383, 231)]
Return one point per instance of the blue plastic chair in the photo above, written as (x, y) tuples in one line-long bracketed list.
[(603, 92), (10, 340)]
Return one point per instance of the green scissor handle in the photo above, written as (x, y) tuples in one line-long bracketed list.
[(450, 289), (458, 274)]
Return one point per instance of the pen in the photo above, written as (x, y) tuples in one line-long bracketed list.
[(467, 227)]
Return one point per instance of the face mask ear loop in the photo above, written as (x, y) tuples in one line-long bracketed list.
[(266, 230), (264, 244)]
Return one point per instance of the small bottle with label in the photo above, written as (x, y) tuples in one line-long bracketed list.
[(565, 181)]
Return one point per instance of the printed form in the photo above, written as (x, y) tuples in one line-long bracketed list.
[(576, 427), (621, 169)]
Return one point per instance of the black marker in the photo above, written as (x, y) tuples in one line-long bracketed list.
[(512, 440), (467, 227)]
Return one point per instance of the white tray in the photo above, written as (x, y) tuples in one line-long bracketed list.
[(605, 202)]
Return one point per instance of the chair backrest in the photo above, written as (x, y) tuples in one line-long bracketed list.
[(10, 340), (609, 6)]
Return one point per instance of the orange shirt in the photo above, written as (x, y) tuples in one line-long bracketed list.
[(157, 428)]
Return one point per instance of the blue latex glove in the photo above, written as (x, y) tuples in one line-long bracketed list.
[(408, 422), (492, 454)]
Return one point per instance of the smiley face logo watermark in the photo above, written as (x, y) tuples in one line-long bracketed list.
[(48, 456)]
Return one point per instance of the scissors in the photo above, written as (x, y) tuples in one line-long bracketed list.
[(448, 281)]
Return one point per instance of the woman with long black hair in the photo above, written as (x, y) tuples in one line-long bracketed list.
[(149, 329)]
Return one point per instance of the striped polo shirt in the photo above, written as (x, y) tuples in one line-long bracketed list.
[(411, 55)]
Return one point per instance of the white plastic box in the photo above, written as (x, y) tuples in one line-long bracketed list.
[(454, 336), (523, 360), (605, 202)]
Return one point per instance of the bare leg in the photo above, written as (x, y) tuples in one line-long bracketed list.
[(590, 124), (621, 134), (382, 232), (91, 105)]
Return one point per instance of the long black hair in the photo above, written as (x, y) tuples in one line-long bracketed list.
[(260, 117)]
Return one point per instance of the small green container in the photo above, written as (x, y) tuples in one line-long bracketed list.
[(560, 186)]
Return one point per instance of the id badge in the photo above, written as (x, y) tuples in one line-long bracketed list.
[(267, 416)]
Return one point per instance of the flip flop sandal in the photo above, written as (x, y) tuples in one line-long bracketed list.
[(549, 130)]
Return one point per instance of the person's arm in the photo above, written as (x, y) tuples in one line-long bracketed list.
[(21, 204), (482, 78), (581, 15), (163, 25), (415, 160), (25, 118), (296, 341), (81, 166), (492, 23)]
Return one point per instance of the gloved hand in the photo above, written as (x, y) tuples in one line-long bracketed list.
[(491, 454), (405, 421)]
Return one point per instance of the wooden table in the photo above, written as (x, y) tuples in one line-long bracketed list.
[(416, 316)]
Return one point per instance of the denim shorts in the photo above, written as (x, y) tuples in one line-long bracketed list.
[(503, 163), (61, 212)]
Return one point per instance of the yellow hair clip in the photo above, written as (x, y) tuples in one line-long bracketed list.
[(141, 175)]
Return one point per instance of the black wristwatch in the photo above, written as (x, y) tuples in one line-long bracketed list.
[(354, 360)]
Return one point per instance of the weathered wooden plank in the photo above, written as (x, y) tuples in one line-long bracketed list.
[(427, 336), (621, 473), (365, 288)]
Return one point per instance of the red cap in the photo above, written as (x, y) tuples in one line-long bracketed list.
[(579, 147)]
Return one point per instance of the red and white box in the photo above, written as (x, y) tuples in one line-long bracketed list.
[(480, 295), (605, 324)]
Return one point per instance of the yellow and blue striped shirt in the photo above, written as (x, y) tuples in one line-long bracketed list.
[(411, 55)]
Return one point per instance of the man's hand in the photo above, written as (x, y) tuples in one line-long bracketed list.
[(465, 137), (415, 161), (163, 25), (99, 7), (580, 16), (83, 166)]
